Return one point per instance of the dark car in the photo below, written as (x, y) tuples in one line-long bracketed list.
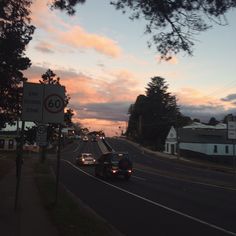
[(114, 164)]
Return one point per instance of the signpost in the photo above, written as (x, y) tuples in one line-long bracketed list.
[(42, 103), (41, 136)]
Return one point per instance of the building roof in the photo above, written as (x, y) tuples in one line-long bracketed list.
[(197, 125), (203, 136)]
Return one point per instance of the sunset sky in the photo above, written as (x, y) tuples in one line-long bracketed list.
[(103, 60)]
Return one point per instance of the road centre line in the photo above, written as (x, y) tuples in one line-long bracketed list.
[(76, 149), (188, 181), (155, 203), (133, 176)]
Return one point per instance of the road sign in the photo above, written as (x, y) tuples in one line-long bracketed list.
[(43, 103), (53, 104), (41, 137), (32, 102)]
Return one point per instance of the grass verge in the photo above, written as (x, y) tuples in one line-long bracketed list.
[(68, 216)]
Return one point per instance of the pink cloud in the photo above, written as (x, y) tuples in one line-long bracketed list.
[(79, 38), (194, 97), (111, 128)]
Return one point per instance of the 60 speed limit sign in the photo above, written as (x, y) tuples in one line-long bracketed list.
[(54, 103)]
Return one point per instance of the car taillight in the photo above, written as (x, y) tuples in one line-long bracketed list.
[(130, 171), (114, 171)]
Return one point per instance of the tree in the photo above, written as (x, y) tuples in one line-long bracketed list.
[(213, 121), (49, 77), (152, 115), (15, 34), (172, 24)]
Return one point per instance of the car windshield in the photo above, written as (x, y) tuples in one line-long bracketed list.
[(116, 157), (87, 155)]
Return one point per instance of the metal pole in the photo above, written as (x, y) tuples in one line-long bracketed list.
[(58, 164), (19, 162)]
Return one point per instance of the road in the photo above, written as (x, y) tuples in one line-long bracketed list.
[(162, 197)]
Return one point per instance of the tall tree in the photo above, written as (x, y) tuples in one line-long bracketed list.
[(172, 24), (152, 115), (15, 34)]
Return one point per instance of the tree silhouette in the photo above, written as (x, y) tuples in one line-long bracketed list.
[(172, 24), (15, 34), (153, 114)]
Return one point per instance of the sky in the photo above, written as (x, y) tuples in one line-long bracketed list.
[(103, 60)]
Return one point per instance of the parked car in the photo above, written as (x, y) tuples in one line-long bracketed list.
[(85, 159), (113, 164)]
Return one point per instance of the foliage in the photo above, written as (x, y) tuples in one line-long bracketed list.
[(213, 121), (30, 134), (153, 114), (49, 77), (172, 24), (15, 34)]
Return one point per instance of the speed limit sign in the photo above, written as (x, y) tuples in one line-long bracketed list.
[(43, 103), (53, 104)]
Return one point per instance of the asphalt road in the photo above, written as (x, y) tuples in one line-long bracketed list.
[(161, 198)]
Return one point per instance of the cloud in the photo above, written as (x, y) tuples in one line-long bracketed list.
[(77, 37), (114, 111), (93, 98), (44, 47), (70, 35), (229, 98)]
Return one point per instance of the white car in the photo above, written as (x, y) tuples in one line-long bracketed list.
[(85, 159)]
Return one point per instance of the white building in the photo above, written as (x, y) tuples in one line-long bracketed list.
[(202, 141)]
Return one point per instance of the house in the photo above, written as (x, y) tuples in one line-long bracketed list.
[(203, 141), (8, 140), (8, 136)]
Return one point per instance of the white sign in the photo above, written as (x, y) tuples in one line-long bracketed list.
[(53, 104), (32, 102), (231, 129), (41, 137), (43, 103)]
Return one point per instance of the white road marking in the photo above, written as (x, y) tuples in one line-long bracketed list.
[(155, 203), (77, 148), (188, 181), (133, 176)]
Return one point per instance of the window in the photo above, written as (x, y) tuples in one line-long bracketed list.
[(215, 148), (226, 149), (2, 143)]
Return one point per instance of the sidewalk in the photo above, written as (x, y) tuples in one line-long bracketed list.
[(30, 218)]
